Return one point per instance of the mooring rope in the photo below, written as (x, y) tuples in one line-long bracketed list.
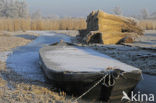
[(90, 89), (104, 83)]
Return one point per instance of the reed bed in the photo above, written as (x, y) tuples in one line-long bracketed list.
[(148, 24), (21, 24)]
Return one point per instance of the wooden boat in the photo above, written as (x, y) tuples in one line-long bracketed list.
[(77, 69)]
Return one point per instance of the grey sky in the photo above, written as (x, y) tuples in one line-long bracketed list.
[(81, 8)]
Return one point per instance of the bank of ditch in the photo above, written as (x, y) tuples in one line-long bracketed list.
[(14, 87)]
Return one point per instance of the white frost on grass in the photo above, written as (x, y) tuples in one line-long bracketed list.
[(45, 33), (148, 40), (4, 55), (84, 60)]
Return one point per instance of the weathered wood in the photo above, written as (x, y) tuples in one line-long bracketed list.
[(80, 80)]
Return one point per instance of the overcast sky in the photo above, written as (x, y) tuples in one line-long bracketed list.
[(81, 8)]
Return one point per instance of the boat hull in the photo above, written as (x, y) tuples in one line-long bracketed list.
[(77, 83)]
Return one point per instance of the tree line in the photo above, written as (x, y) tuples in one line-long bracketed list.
[(13, 9), (144, 13)]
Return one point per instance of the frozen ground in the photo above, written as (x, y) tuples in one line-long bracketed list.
[(4, 55), (148, 41), (72, 33)]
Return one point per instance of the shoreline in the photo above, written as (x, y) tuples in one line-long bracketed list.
[(13, 87)]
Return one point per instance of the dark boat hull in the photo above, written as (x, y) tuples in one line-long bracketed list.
[(77, 83), (100, 92)]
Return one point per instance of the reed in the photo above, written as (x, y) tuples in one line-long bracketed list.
[(21, 24), (148, 24)]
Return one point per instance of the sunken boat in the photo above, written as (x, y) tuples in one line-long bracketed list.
[(87, 73)]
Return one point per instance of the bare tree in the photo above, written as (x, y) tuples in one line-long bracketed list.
[(3, 6), (13, 8), (117, 10), (22, 9), (144, 14)]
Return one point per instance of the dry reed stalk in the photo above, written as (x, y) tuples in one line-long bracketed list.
[(148, 24), (21, 24), (113, 28)]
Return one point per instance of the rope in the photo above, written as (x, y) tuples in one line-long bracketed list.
[(90, 89), (104, 83), (142, 76)]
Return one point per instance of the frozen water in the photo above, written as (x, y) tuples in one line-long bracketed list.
[(24, 60), (147, 85)]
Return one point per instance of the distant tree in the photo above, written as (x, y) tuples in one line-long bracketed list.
[(117, 10), (144, 14), (22, 9), (1, 7), (13, 8), (36, 15)]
